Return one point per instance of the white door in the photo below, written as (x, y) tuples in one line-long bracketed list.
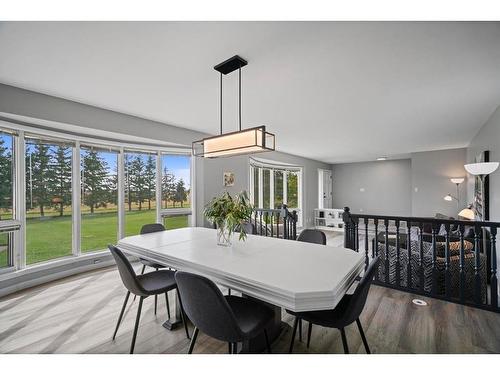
[(325, 188)]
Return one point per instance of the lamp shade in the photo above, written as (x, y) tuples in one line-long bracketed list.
[(457, 180), (481, 168), (467, 213)]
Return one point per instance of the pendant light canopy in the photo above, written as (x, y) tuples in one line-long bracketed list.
[(246, 141)]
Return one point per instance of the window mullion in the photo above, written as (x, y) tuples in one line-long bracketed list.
[(121, 194), (285, 187), (19, 207), (158, 187), (271, 188), (76, 199), (261, 188)]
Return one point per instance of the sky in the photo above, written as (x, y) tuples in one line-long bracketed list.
[(179, 165)]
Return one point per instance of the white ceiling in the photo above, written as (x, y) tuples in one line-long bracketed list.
[(331, 91)]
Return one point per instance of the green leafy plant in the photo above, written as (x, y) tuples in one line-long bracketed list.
[(231, 213)]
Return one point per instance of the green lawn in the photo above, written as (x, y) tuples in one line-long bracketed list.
[(50, 237)]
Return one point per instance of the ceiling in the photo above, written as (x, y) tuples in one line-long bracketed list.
[(331, 91)]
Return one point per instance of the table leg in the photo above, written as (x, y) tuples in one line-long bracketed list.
[(175, 320), (274, 330)]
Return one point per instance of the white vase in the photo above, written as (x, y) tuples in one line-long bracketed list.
[(223, 236)]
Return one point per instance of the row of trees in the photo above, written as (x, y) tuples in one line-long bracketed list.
[(48, 179), (5, 176)]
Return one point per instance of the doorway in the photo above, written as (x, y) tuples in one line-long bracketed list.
[(325, 188)]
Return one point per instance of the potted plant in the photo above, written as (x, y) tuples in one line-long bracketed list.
[(228, 214)]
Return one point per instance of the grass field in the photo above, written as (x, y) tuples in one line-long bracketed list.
[(50, 237)]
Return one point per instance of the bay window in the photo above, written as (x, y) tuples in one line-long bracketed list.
[(63, 196), (272, 185)]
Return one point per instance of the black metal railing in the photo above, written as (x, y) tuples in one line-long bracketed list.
[(454, 260), (278, 222)]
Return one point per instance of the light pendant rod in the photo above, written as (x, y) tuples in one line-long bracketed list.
[(239, 71), (240, 142), (221, 103)]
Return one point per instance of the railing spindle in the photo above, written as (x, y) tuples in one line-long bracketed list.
[(477, 265), (278, 225), (447, 276), (398, 253), (266, 219), (272, 224), (493, 279), (386, 263), (434, 250), (461, 292), (421, 256), (367, 257), (408, 250)]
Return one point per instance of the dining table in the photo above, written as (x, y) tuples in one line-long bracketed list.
[(281, 273)]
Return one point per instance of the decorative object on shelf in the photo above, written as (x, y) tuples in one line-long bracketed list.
[(228, 214), (246, 141), (228, 179), (481, 169), (467, 213)]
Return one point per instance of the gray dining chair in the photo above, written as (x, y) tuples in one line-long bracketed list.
[(227, 318), (312, 236), (152, 228), (345, 313), (148, 284)]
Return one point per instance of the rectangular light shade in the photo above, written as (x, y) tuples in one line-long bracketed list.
[(247, 141)]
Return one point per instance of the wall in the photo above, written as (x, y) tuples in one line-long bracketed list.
[(431, 172), (414, 186), (386, 186), (488, 138), (214, 169)]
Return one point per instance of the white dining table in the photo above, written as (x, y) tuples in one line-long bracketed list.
[(297, 276)]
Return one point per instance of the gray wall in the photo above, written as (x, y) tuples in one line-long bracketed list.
[(414, 186), (431, 172), (488, 138), (214, 169), (386, 187)]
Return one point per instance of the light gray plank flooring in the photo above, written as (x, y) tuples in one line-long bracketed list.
[(78, 314)]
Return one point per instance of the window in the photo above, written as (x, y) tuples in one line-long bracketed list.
[(59, 170), (274, 185), (48, 200), (176, 190), (99, 195), (140, 191), (6, 175)]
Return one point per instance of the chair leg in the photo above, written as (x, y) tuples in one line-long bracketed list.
[(229, 292), (365, 343), (300, 330), (168, 305), (344, 341), (136, 325), (156, 302), (309, 331), (183, 315), (268, 345), (294, 332), (235, 348), (121, 314), (193, 340), (230, 348)]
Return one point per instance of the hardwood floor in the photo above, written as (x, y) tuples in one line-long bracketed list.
[(78, 315)]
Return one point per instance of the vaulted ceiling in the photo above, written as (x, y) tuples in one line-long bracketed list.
[(331, 91)]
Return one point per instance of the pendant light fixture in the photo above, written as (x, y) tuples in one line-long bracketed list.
[(242, 141)]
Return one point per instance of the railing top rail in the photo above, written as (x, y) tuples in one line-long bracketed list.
[(427, 220)]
